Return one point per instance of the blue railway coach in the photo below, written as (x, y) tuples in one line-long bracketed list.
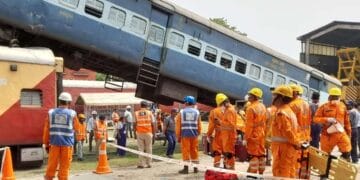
[(168, 51)]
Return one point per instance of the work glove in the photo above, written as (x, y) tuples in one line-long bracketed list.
[(244, 142), (47, 149), (331, 120), (208, 139)]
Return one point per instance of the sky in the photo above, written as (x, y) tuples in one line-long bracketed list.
[(276, 23)]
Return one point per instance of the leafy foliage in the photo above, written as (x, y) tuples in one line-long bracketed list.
[(223, 22)]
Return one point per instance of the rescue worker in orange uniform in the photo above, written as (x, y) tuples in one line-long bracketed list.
[(285, 141), (270, 116), (331, 113), (144, 125), (227, 129), (100, 131), (188, 128), (255, 132), (80, 129), (58, 138), (303, 115), (215, 117)]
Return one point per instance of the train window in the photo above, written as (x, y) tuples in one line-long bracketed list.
[(305, 89), (94, 7), (280, 80), (268, 77), (255, 71), (30, 98), (156, 34), (70, 3), (210, 54), (177, 40), (226, 60), (117, 17), (194, 47), (138, 25), (314, 83), (240, 67)]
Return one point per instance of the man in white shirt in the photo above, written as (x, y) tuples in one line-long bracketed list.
[(129, 122), (90, 128)]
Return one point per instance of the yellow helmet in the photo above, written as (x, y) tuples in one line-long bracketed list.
[(284, 91), (220, 98), (81, 116), (297, 88), (256, 92), (335, 91)]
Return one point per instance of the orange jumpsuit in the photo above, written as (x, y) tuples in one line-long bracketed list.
[(271, 112), (80, 129), (58, 154), (214, 125), (337, 110), (270, 116), (303, 116), (228, 136), (284, 139), (255, 136), (189, 144), (100, 131)]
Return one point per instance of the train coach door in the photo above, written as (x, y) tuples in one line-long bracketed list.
[(148, 73), (157, 34)]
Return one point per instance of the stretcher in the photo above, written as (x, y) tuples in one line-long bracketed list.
[(330, 167), (341, 169), (318, 161)]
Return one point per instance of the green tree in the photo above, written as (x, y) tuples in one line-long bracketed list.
[(223, 22), (100, 77)]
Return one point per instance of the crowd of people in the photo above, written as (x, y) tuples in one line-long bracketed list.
[(281, 132)]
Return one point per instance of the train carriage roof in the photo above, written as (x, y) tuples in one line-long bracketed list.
[(175, 8), (36, 55), (107, 99)]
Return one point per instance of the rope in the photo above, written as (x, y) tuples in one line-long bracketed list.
[(199, 166)]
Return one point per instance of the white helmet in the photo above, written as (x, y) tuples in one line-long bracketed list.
[(65, 96), (128, 107), (94, 112)]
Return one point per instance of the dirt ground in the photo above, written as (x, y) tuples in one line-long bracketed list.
[(159, 170)]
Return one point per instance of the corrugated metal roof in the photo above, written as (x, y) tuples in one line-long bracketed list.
[(331, 27), (105, 99), (35, 55), (94, 84)]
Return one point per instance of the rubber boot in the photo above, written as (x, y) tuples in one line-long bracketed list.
[(185, 170), (196, 170)]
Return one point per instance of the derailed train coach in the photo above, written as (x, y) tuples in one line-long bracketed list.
[(168, 51)]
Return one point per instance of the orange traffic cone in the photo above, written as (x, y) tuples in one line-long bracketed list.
[(6, 167), (103, 165)]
